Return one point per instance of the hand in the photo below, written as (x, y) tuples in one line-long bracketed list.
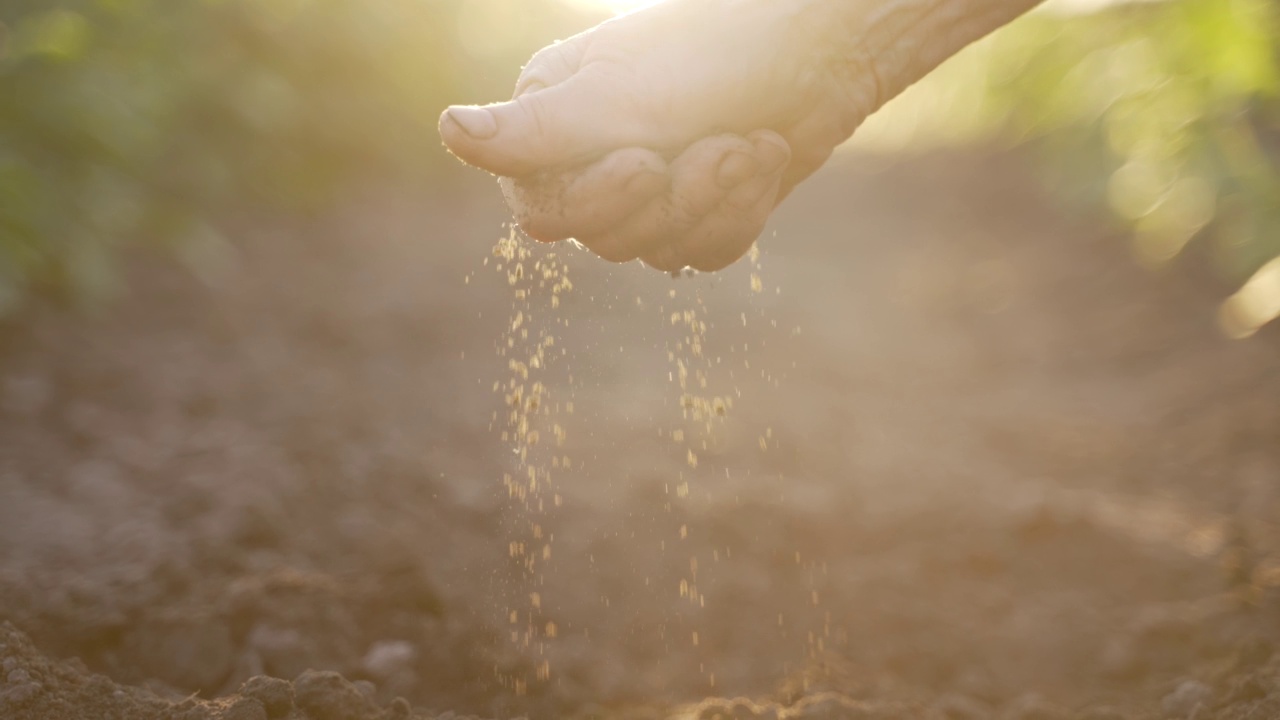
[(703, 210), (745, 98)]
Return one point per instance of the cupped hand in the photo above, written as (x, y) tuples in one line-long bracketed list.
[(703, 209), (671, 133)]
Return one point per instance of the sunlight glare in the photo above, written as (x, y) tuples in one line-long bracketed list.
[(617, 7), (1255, 304)]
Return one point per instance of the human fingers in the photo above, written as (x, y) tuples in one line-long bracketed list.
[(700, 178), (579, 119), (729, 231), (726, 231), (586, 201), (552, 65)]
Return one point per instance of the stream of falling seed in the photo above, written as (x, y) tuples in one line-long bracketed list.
[(705, 377), (531, 426)]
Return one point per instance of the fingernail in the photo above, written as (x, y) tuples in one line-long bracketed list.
[(648, 182), (734, 169), (474, 121)]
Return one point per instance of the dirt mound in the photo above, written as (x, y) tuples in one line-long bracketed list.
[(37, 688), (977, 465)]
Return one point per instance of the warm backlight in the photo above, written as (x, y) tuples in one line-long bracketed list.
[(616, 6)]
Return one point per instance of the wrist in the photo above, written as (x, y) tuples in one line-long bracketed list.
[(899, 41)]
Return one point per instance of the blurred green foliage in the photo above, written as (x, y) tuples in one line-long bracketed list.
[(125, 121), (1166, 112)]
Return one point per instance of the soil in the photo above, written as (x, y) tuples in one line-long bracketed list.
[(977, 464)]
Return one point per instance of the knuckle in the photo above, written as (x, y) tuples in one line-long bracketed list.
[(537, 115), (541, 59), (531, 82), (554, 59)]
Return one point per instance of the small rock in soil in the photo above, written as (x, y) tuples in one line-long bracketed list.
[(329, 696), (17, 695), (388, 657), (282, 650), (367, 689), (399, 709), (191, 711), (243, 708), (1186, 699), (276, 695)]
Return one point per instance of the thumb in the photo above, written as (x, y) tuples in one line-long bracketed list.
[(571, 122)]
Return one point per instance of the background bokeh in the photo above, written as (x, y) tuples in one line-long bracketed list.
[(1165, 113), (141, 121)]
